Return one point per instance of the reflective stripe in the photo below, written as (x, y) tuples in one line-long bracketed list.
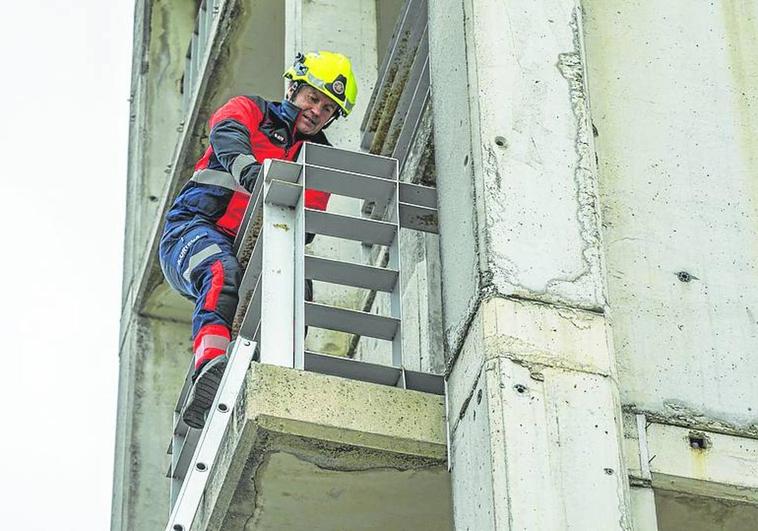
[(213, 343), (198, 257), (217, 178), (240, 163)]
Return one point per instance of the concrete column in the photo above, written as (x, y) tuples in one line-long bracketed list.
[(533, 396), (642, 506), (348, 28)]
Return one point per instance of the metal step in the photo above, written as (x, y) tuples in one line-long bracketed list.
[(350, 274), (283, 170), (417, 194), (181, 461), (351, 321), (418, 218), (374, 373), (350, 227), (283, 193), (349, 161), (349, 184)]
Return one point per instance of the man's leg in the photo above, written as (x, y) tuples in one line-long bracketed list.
[(202, 266)]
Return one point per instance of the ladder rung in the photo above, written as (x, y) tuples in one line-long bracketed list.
[(349, 227), (283, 193), (418, 218), (283, 170), (417, 194), (374, 373), (182, 461), (350, 368), (350, 274), (350, 161), (351, 321), (349, 184)]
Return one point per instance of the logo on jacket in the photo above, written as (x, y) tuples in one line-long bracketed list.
[(278, 136)]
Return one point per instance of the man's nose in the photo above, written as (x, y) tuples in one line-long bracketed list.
[(320, 108)]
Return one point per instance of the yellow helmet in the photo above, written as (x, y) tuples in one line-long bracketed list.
[(328, 72)]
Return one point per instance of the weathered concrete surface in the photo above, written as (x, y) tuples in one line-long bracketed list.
[(155, 349), (675, 106), (161, 33), (535, 437), (319, 452), (514, 157), (697, 513), (151, 371), (642, 507)]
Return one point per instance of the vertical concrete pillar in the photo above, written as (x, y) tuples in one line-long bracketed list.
[(348, 28), (533, 396), (644, 517)]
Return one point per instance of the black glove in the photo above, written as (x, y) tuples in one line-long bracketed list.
[(249, 175)]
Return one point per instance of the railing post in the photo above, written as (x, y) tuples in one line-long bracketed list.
[(277, 280), (299, 301)]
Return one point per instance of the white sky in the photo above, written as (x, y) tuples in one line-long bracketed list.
[(65, 69)]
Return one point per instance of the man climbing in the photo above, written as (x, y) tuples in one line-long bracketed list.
[(196, 247)]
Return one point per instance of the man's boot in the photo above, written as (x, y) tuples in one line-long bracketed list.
[(203, 392)]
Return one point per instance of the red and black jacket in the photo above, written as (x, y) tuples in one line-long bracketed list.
[(245, 131)]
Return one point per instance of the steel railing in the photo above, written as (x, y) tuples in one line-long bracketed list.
[(271, 247)]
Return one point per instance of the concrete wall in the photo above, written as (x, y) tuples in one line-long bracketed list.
[(596, 161), (675, 109), (162, 32)]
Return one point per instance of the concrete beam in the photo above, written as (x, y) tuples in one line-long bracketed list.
[(693, 461), (311, 451)]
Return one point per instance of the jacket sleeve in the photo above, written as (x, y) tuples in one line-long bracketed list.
[(230, 139)]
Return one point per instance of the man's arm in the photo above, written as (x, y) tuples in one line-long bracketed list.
[(230, 139)]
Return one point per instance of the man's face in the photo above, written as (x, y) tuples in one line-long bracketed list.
[(316, 109)]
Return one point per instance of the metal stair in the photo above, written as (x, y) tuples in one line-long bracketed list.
[(271, 246)]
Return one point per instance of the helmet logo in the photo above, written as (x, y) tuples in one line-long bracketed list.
[(338, 87)]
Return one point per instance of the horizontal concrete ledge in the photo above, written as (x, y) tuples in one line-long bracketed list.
[(692, 461), (306, 450)]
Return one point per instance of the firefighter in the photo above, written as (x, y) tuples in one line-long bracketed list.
[(196, 246)]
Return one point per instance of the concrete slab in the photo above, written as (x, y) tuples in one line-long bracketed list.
[(308, 450)]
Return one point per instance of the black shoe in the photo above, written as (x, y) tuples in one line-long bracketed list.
[(203, 392)]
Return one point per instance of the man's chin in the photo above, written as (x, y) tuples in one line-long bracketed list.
[(308, 129)]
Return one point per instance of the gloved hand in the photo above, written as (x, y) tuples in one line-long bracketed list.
[(249, 175)]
